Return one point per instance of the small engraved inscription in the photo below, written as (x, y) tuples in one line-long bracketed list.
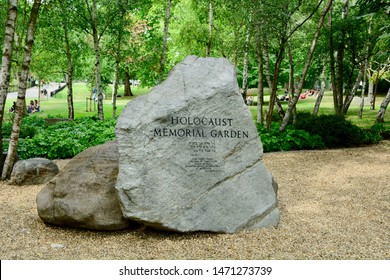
[(203, 156)]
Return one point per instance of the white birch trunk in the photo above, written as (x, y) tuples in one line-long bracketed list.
[(20, 103), (211, 28), (165, 40), (5, 72), (245, 70), (380, 118), (322, 91)]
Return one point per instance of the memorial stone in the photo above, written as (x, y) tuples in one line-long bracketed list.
[(83, 194), (190, 158)]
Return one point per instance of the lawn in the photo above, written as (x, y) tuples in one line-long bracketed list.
[(56, 106), (326, 107)]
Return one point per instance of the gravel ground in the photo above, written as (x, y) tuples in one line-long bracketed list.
[(335, 204)]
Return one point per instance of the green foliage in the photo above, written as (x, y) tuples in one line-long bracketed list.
[(335, 131), (67, 139), (377, 132), (290, 139), (31, 125)]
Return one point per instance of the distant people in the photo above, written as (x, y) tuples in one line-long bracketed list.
[(284, 97), (33, 107), (249, 100), (36, 106), (30, 107), (303, 95), (13, 108)]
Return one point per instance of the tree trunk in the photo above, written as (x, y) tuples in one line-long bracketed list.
[(351, 94), (340, 60), (165, 40), (267, 64), (245, 70), (115, 89), (272, 98), (117, 62), (375, 89), (69, 74), (260, 88), (211, 29), (370, 93), (20, 103), (5, 72), (126, 83), (332, 65), (361, 108), (294, 100), (291, 84), (322, 91), (96, 47), (380, 118)]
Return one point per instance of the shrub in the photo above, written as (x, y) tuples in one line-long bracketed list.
[(67, 139), (335, 131), (290, 139), (376, 133), (31, 125)]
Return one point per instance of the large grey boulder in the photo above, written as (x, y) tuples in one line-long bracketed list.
[(190, 158), (33, 171), (83, 194)]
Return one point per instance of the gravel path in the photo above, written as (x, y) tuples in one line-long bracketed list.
[(335, 204)]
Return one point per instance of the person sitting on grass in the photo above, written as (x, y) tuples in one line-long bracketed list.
[(36, 106), (30, 107), (33, 107), (13, 108)]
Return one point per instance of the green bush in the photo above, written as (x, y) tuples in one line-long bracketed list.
[(67, 139), (378, 132), (290, 139), (335, 131), (31, 125)]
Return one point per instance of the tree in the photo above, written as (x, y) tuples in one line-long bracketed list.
[(211, 28), (97, 19), (380, 118), (321, 93), (165, 39), (5, 72), (20, 103)]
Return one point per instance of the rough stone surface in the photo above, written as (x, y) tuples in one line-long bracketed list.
[(190, 158), (83, 195), (33, 171)]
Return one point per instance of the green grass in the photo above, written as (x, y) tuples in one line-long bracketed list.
[(57, 106), (326, 107)]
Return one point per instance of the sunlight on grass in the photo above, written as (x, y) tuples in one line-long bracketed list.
[(57, 106)]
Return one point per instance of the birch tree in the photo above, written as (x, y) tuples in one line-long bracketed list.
[(165, 39), (380, 118), (20, 103), (321, 93), (211, 28), (5, 72), (98, 19), (246, 64), (294, 100)]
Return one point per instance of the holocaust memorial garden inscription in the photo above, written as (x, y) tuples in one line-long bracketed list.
[(190, 158)]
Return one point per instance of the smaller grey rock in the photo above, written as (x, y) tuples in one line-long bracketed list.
[(83, 195), (33, 171)]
